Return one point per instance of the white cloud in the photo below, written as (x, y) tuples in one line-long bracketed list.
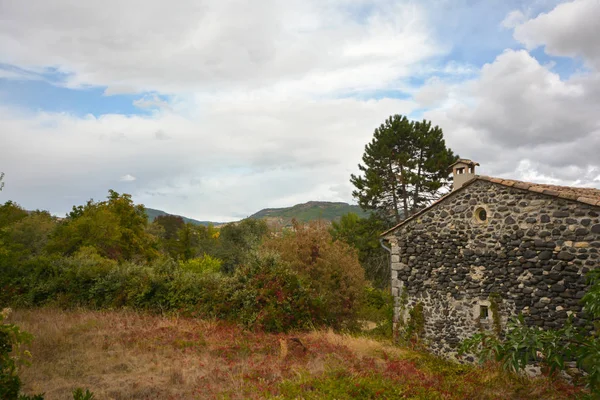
[(432, 93), (151, 101), (127, 178), (230, 159), (513, 19), (520, 120), (570, 30), (151, 45)]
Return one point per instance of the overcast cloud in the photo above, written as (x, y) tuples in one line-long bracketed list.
[(218, 109)]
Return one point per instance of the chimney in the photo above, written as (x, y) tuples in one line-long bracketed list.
[(463, 170)]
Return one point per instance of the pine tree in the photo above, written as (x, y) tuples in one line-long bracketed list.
[(405, 168)]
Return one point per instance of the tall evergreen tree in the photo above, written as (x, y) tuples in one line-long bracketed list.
[(405, 168)]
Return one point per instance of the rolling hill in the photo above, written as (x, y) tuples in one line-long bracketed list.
[(153, 213), (304, 212)]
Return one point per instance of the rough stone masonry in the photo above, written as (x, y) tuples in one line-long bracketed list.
[(529, 249)]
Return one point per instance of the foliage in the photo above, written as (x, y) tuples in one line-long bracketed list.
[(236, 240), (331, 268), (29, 235), (79, 394), (273, 290), (378, 307), (116, 228), (170, 224), (105, 255), (552, 349), (415, 326), (342, 385), (495, 301), (202, 265), (405, 168), (12, 357), (267, 294), (11, 213), (363, 235)]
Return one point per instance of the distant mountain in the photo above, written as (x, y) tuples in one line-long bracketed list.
[(153, 213), (305, 212)]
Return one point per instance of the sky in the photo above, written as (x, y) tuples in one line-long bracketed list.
[(215, 109)]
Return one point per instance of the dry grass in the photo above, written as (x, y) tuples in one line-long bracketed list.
[(128, 355)]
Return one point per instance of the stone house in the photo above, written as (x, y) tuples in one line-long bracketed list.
[(494, 243)]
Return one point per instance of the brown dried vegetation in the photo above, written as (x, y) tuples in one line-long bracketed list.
[(128, 355)]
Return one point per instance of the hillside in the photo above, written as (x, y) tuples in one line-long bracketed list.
[(312, 210), (304, 212), (153, 213)]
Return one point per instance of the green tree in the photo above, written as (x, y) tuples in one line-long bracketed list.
[(169, 227), (188, 242), (171, 223), (116, 228), (363, 235), (30, 235), (237, 239), (10, 213), (405, 168)]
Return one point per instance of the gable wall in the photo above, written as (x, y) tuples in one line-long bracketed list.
[(533, 251)]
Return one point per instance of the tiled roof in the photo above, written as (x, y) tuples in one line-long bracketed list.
[(583, 195)]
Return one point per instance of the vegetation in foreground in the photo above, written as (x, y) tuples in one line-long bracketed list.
[(129, 355)]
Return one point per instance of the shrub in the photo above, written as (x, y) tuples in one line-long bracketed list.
[(330, 269), (267, 294), (12, 357), (202, 265), (378, 307)]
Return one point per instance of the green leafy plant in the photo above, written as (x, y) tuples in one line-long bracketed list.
[(415, 326), (202, 265), (79, 394), (522, 344), (12, 357)]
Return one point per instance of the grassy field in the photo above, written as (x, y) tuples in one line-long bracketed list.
[(127, 355)]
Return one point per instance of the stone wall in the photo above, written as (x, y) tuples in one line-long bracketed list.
[(532, 250)]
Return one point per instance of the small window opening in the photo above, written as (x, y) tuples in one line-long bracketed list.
[(483, 312), (481, 214), (460, 171), (471, 170)]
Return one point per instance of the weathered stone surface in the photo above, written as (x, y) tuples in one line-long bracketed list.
[(533, 252), (565, 255)]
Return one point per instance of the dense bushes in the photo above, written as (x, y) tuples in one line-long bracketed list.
[(335, 277), (87, 279), (106, 255), (267, 294), (300, 280)]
